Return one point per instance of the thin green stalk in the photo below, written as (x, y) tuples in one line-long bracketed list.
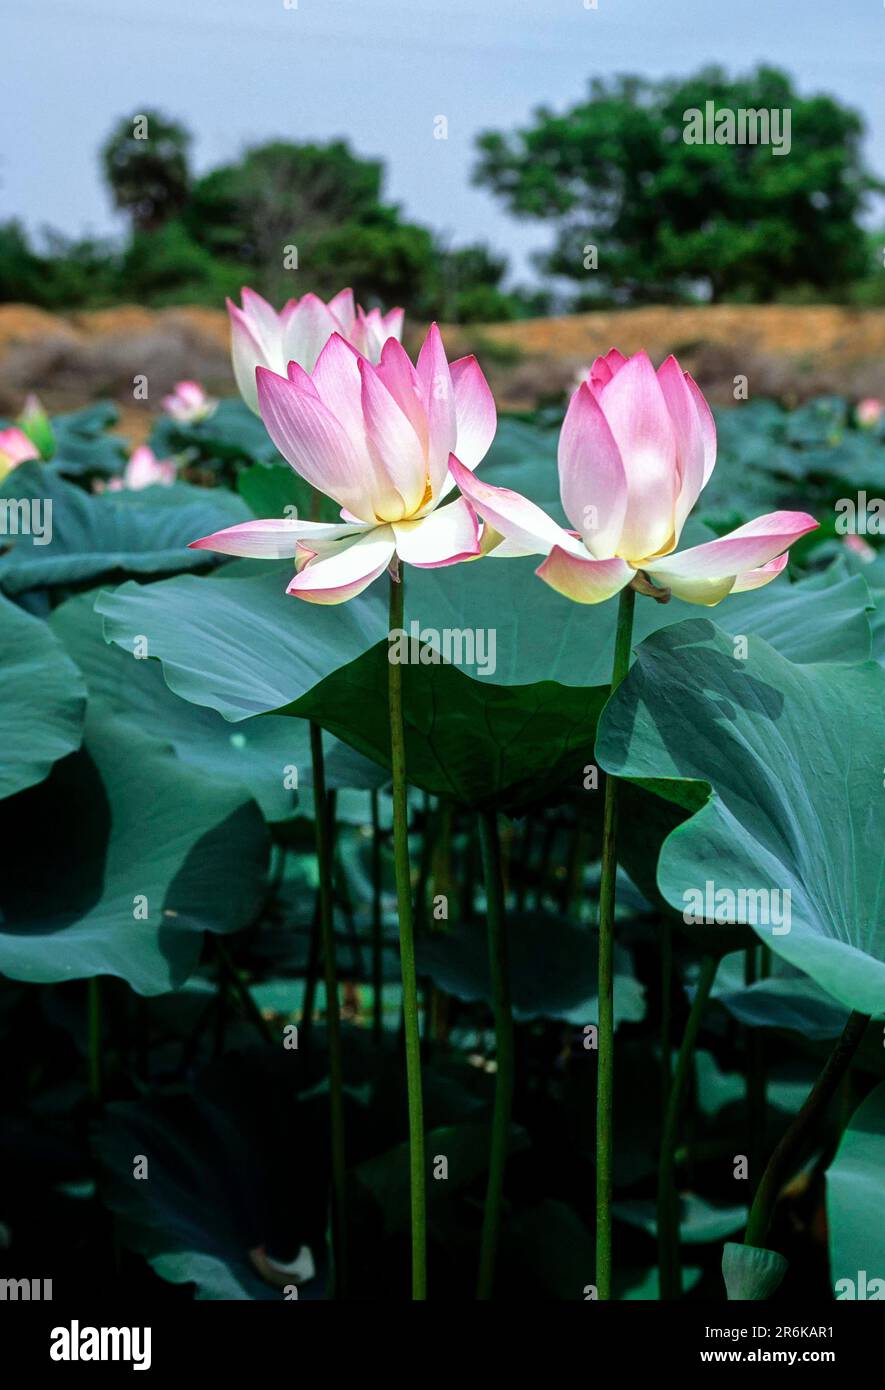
[(407, 955), (788, 1151), (756, 1083), (322, 830), (669, 1261), (242, 991), (377, 929), (666, 1012), (500, 978), (95, 1032), (311, 974), (605, 1041)]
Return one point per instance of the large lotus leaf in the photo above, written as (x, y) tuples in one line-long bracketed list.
[(113, 533), (873, 571), (465, 1146), (258, 753), (239, 1166), (784, 999), (120, 860), (553, 969), (700, 1220), (82, 444), (275, 489), (855, 1201), (547, 1252), (794, 755), (505, 727), (523, 457), (231, 433), (43, 703)]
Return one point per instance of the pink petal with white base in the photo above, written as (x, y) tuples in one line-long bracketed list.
[(394, 446), (604, 368), (755, 579), (275, 538), (435, 380), (344, 310), (708, 426), (348, 570), (745, 548), (399, 376), (514, 516), (475, 415), (443, 537), (592, 480), (637, 414), (582, 578), (307, 331), (689, 438), (314, 443), (336, 380), (247, 350)]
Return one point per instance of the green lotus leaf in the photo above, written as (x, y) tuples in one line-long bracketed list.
[(855, 1200), (794, 755), (116, 533), (43, 704), (119, 861)]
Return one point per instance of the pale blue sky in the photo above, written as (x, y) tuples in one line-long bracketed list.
[(378, 72)]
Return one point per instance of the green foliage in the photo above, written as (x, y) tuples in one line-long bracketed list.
[(145, 162), (614, 171), (139, 798), (166, 266)]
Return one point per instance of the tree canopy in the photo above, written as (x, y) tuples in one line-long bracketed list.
[(614, 171)]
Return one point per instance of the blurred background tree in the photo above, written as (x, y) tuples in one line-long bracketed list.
[(672, 219), (145, 163)]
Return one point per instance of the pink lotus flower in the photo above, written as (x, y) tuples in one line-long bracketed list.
[(261, 337), (188, 402), (636, 448), (859, 547), (15, 448), (868, 412), (144, 469), (379, 440)]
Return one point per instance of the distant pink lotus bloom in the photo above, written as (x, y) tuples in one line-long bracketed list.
[(861, 548), (15, 448), (379, 440), (144, 469), (188, 402), (636, 448), (261, 337), (868, 412)]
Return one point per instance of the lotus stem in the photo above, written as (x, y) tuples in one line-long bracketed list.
[(407, 954), (606, 1038), (242, 991), (377, 928), (95, 1032), (666, 1013), (322, 831), (669, 1259), (500, 980), (789, 1150)]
